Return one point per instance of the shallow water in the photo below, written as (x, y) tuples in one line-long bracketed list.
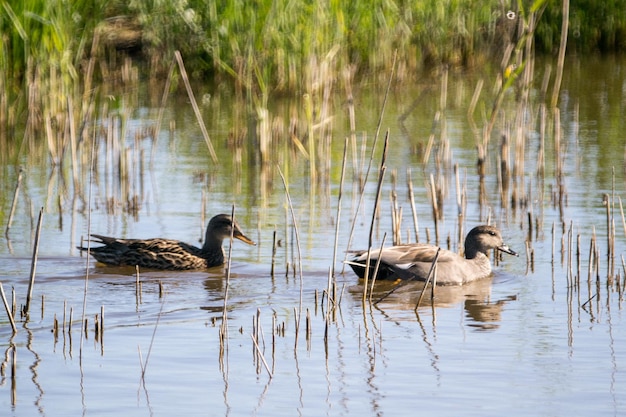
[(521, 342)]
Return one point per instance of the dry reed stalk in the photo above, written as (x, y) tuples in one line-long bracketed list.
[(16, 193), (371, 159), (578, 255), (377, 266), (159, 119), (274, 247), (431, 138), (592, 255), (561, 57), (274, 332), (553, 243), (475, 96), (224, 327), (96, 327), (560, 175), (348, 76), (435, 207), (137, 287), (412, 202), (381, 177), (55, 327), (84, 312), (570, 273), (64, 314), (258, 350), (432, 274), (461, 203), (623, 285), (621, 210), (295, 226), (8, 309), (288, 244), (396, 216), (73, 142), (331, 275), (195, 107), (33, 265), (308, 328), (541, 160), (13, 302)]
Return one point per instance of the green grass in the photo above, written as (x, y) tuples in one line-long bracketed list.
[(266, 47)]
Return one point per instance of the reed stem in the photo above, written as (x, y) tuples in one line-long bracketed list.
[(33, 266), (8, 309), (195, 107)]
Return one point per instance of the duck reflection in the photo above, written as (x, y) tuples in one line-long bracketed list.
[(481, 309)]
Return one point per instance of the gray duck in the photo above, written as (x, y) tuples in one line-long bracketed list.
[(169, 254), (413, 261)]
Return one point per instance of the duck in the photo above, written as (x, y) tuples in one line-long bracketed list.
[(413, 261), (168, 254)]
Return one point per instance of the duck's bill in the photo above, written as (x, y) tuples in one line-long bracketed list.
[(506, 249), (245, 239)]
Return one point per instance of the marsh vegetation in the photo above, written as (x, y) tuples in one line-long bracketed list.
[(324, 128)]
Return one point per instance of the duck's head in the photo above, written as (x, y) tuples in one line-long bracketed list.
[(482, 239), (222, 226)]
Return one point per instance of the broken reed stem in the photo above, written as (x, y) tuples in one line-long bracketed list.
[(381, 177), (8, 309), (33, 265), (295, 226), (258, 350), (14, 203), (194, 104)]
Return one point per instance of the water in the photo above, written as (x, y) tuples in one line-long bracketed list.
[(521, 342)]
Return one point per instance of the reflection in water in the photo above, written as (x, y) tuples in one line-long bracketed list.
[(33, 369), (486, 313), (475, 298), (10, 358), (434, 357)]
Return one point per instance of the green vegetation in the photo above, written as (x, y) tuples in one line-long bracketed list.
[(51, 51)]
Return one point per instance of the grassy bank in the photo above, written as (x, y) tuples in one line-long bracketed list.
[(52, 53)]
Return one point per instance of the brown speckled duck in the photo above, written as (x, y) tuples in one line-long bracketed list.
[(414, 261), (169, 254)]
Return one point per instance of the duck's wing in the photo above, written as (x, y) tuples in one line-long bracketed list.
[(411, 261), (152, 253), (409, 254), (156, 245)]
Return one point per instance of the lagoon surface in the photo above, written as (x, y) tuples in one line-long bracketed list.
[(544, 335)]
